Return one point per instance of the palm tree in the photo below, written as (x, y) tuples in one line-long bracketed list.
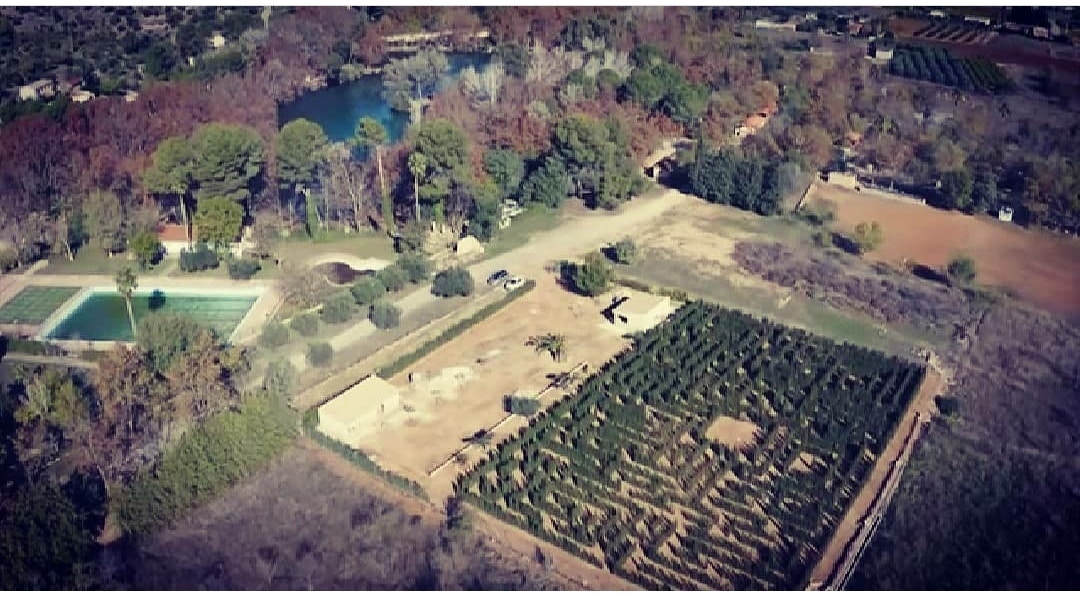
[(126, 284), (417, 166), (554, 345)]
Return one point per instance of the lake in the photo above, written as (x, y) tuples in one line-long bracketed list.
[(338, 108)]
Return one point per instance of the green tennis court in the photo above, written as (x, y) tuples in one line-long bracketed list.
[(34, 304)]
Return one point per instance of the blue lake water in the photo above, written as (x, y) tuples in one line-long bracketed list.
[(337, 109)]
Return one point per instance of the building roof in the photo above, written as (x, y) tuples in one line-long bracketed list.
[(362, 400), (756, 121), (169, 232), (641, 304)]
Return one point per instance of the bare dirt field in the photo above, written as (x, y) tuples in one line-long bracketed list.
[(336, 535), (732, 432), (459, 388), (1037, 266)]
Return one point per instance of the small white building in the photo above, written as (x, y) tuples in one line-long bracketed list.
[(882, 53), (217, 40), (1005, 214), (773, 25), (640, 311), (362, 407), (843, 179), (81, 96), (39, 89)]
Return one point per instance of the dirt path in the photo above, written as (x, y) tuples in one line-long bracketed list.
[(54, 360), (848, 539)]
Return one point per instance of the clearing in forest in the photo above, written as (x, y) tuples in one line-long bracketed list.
[(1038, 266), (624, 474)]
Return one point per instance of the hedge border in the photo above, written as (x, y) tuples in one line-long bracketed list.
[(357, 457), (453, 332)]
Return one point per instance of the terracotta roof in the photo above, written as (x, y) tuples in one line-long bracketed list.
[(756, 121), (169, 232)]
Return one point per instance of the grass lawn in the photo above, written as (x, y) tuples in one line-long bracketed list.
[(368, 244), (34, 304), (799, 311), (534, 220), (91, 261)]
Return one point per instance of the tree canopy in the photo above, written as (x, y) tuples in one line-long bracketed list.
[(300, 150), (219, 220), (228, 157), (411, 79)]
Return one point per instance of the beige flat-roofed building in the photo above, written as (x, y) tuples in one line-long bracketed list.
[(640, 311), (352, 413)]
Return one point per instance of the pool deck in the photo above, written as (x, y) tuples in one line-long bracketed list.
[(245, 332)]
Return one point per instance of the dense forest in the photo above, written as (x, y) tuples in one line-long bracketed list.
[(642, 74)]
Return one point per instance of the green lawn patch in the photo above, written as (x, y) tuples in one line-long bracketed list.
[(368, 244), (34, 304), (94, 262), (534, 220)]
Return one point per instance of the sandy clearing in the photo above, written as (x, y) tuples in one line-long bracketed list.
[(450, 409), (731, 432)]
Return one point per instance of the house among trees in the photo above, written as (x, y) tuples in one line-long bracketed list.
[(173, 237), (1005, 214), (39, 89), (756, 121), (363, 406)]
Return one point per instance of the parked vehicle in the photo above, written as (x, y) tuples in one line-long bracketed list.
[(513, 283), (497, 277)]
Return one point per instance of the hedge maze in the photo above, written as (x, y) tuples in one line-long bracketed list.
[(624, 475)]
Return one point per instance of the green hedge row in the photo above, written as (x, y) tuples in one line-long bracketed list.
[(356, 457), (207, 460), (410, 358)]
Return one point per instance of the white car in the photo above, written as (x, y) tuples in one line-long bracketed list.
[(513, 283)]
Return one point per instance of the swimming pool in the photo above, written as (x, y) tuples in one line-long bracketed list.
[(100, 314)]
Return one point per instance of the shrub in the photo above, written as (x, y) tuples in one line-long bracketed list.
[(8, 259), (453, 281), (337, 309), (623, 252), (243, 268), (274, 335), (306, 324), (319, 354), (384, 315), (416, 266), (393, 277), (948, 406), (867, 236), (962, 269), (591, 277), (279, 378), (199, 259), (367, 290), (147, 248)]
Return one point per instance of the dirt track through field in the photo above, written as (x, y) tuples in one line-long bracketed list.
[(1037, 266)]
